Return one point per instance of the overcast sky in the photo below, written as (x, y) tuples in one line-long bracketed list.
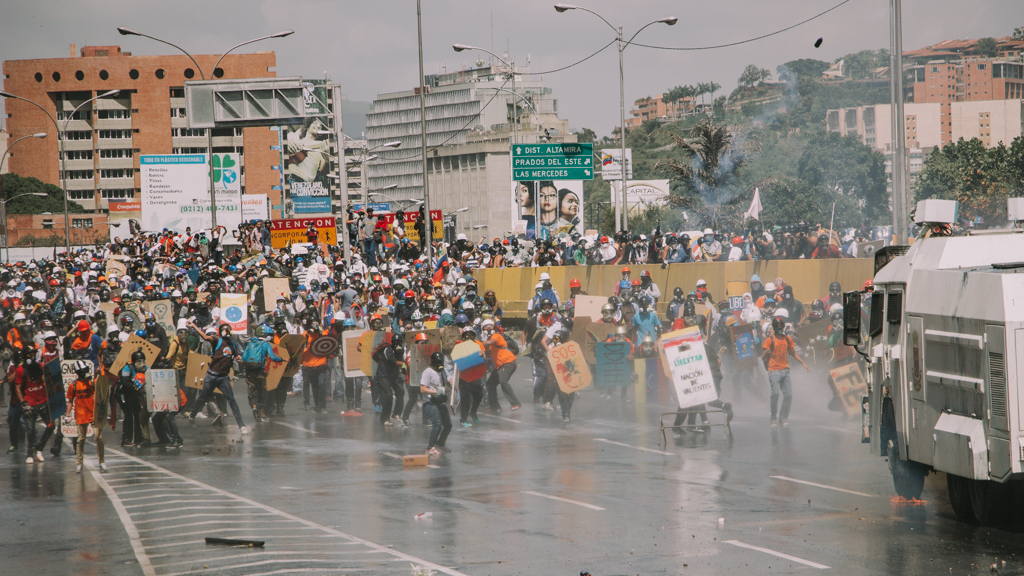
[(369, 47)]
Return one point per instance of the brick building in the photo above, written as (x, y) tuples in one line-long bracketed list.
[(31, 229), (105, 138), (957, 71), (655, 108)]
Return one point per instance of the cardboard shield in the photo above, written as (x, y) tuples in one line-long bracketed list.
[(294, 344), (569, 366), (613, 366), (195, 371), (272, 288), (688, 363), (419, 353), (596, 332), (350, 353), (277, 369), (162, 391), (590, 307), (134, 344), (850, 386), (743, 345), (367, 342), (814, 341), (163, 311), (470, 361)]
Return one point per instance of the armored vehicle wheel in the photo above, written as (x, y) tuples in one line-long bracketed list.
[(989, 501), (907, 477), (960, 497)]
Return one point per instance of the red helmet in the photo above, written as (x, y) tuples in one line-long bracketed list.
[(604, 239), (410, 294), (574, 283), (83, 325), (635, 283), (625, 270), (421, 337), (645, 274), (54, 282), (869, 285)]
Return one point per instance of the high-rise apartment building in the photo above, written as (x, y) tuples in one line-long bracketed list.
[(469, 131), (104, 139)]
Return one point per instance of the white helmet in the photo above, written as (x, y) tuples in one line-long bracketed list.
[(708, 232), (461, 237), (49, 334), (176, 294), (782, 313), (545, 276), (182, 324), (19, 316), (769, 287), (487, 323)]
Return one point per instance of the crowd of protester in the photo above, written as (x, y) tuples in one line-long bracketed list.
[(85, 306)]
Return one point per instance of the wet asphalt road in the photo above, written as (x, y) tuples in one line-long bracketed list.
[(521, 493)]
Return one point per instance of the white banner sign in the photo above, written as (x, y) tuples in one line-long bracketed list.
[(176, 191), (688, 363), (234, 311), (643, 193), (255, 207), (611, 164)]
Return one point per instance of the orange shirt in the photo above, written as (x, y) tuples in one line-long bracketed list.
[(780, 348), (82, 394), (309, 359), (500, 354)]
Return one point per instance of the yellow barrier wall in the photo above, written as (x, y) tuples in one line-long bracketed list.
[(809, 278)]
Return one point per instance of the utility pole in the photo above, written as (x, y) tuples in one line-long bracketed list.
[(898, 149), (428, 223)]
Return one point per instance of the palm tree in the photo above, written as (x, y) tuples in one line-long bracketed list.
[(707, 174), (712, 87)]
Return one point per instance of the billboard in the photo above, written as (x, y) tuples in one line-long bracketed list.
[(125, 218), (306, 162), (285, 232), (409, 219), (611, 164), (176, 191), (560, 206), (255, 207), (643, 193)]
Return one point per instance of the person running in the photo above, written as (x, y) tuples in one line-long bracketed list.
[(31, 388), (503, 363), (218, 375), (777, 347), (82, 396), (254, 361), (434, 387)]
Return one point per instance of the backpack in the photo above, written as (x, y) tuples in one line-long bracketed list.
[(511, 345), (251, 353), (110, 354)]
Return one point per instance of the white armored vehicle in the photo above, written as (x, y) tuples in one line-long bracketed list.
[(943, 332)]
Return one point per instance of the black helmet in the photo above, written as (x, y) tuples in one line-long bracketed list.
[(818, 306), (546, 303), (138, 356), (689, 309), (778, 325), (645, 301), (677, 292), (614, 301), (436, 361), (835, 288), (562, 336), (397, 339)]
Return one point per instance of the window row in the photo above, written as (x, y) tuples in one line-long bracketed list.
[(81, 222), (76, 175), (114, 134), (117, 153), (117, 194), (113, 114), (117, 173), (187, 132), (188, 150), (133, 74), (69, 115), (76, 155)]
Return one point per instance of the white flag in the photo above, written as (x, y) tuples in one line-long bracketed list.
[(755, 206)]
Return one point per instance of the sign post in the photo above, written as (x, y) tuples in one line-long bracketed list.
[(553, 161)]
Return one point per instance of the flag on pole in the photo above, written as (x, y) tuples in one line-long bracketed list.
[(755, 206)]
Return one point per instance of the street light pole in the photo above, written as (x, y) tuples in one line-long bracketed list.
[(3, 191), (428, 227), (671, 21), (209, 131)]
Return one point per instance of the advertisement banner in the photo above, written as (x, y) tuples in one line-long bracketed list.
[(124, 218), (561, 206), (234, 311), (293, 231), (255, 207), (644, 193), (611, 164), (306, 148), (409, 218), (176, 191)]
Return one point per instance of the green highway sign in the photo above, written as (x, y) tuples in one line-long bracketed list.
[(553, 161)]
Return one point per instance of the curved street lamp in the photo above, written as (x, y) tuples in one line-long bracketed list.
[(671, 21), (3, 190), (209, 131)]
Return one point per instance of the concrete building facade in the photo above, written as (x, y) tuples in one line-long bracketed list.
[(993, 122), (470, 118), (105, 138)]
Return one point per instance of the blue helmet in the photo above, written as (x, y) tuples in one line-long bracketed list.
[(140, 333), (462, 319)]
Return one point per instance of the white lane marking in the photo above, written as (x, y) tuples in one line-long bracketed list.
[(300, 428), (304, 570), (164, 495), (303, 521), (219, 502), (779, 554), (254, 554), (126, 521), (246, 531), (576, 502), (825, 486), (186, 543), (501, 418), (398, 456), (129, 483), (168, 519), (652, 450), (207, 522), (265, 562)]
